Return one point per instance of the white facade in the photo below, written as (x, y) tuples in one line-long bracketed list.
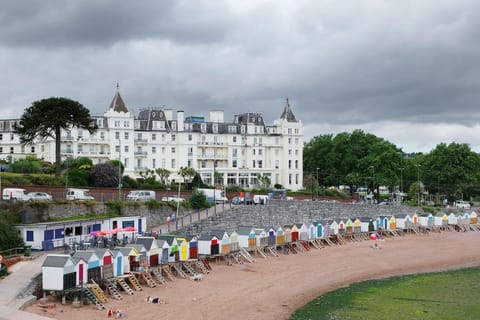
[(239, 152)]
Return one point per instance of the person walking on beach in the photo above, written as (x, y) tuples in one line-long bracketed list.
[(169, 223)]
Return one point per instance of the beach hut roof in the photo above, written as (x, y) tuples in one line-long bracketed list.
[(57, 260), (206, 237), (77, 259), (139, 247), (219, 233), (86, 255), (102, 251), (147, 242), (244, 230), (169, 238)]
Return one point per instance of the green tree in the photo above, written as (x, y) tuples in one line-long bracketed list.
[(48, 117), (452, 170), (26, 165), (187, 174), (163, 175), (9, 237), (353, 159)]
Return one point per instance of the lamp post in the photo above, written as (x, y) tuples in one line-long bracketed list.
[(373, 180), (418, 182), (401, 184), (119, 169)]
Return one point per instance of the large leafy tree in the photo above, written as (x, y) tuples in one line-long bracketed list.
[(452, 170), (46, 118), (353, 158)]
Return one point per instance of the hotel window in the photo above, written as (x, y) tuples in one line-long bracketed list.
[(1, 136), (154, 163), (234, 163), (12, 136), (296, 178), (289, 164), (154, 136), (173, 137), (11, 149), (117, 135), (117, 124), (253, 163), (259, 152), (260, 164), (174, 163), (126, 124), (125, 135), (234, 139), (33, 149), (190, 138), (289, 140), (277, 164), (290, 179), (154, 149), (125, 149), (296, 164), (215, 128), (173, 149), (102, 135)]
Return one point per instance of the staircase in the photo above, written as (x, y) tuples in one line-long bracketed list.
[(148, 279), (134, 282), (201, 266), (272, 251), (112, 289), (246, 255), (124, 285), (179, 270), (260, 252), (158, 275), (168, 273), (98, 292), (93, 299), (189, 268)]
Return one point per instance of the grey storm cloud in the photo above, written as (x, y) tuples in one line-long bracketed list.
[(343, 64)]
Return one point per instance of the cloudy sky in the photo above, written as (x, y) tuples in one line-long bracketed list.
[(406, 71)]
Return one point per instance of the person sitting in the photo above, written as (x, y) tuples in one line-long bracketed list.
[(155, 300), (120, 314)]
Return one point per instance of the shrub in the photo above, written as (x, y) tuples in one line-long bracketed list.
[(105, 175), (114, 207)]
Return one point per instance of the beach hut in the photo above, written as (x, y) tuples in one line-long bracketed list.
[(130, 259), (280, 236), (294, 232), (208, 245), (94, 264), (349, 226), (173, 254), (452, 219), (164, 250), (234, 245), (366, 225), (58, 273), (118, 262), (341, 228), (81, 267), (287, 234), (244, 234), (334, 228), (357, 226), (151, 247), (261, 237), (193, 248), (183, 249), (473, 218), (392, 223), (312, 231), (106, 261), (400, 220), (319, 230), (272, 236), (224, 238), (383, 223), (327, 228), (302, 232)]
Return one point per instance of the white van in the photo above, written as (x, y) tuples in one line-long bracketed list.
[(461, 204), (78, 194), (140, 195), (15, 194)]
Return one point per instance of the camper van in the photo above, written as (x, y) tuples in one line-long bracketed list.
[(15, 194), (214, 195), (140, 195), (78, 194)]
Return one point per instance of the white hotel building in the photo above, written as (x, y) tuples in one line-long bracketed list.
[(239, 151)]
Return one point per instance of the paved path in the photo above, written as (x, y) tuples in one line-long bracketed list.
[(20, 277)]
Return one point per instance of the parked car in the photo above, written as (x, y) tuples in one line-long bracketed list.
[(173, 198), (140, 195), (78, 194), (42, 196), (15, 194), (461, 204)]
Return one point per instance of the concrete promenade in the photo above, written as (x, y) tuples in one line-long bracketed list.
[(12, 286)]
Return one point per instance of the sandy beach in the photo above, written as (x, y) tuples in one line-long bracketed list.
[(273, 288)]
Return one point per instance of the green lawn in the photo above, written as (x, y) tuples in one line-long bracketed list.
[(445, 295)]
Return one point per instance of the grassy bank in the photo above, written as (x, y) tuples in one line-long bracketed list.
[(445, 295)]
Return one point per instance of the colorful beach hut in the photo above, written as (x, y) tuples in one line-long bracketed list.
[(58, 273)]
